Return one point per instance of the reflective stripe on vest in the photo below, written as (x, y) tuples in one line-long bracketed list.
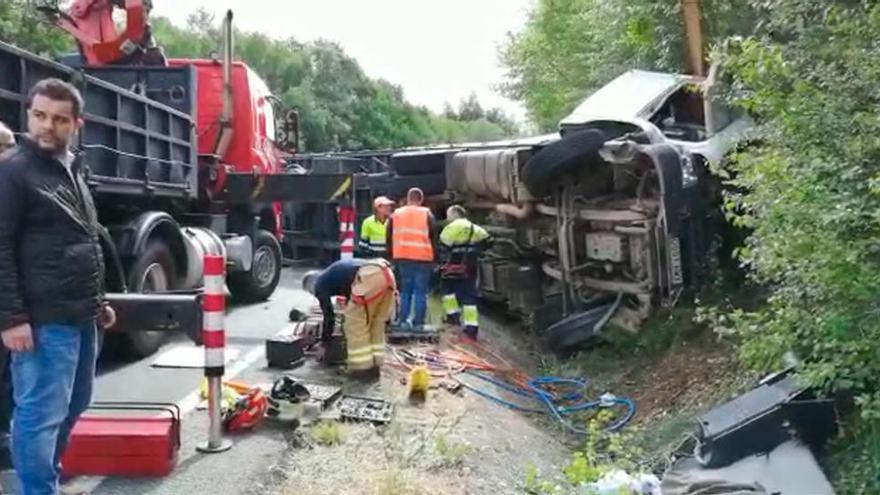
[(373, 235), (411, 235), (462, 237)]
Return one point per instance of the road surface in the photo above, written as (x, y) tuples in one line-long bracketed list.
[(241, 469)]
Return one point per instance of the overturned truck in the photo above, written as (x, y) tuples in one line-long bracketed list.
[(609, 218)]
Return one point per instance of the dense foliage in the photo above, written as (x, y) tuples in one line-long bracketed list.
[(23, 27), (811, 195), (340, 107), (570, 48), (807, 190)]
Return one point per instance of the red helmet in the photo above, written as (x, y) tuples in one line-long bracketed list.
[(249, 411)]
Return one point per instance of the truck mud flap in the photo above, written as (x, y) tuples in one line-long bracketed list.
[(305, 188), (159, 312)]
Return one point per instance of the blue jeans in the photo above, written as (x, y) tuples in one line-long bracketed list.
[(52, 386), (415, 278)]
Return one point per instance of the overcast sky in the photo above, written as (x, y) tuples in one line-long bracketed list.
[(437, 50)]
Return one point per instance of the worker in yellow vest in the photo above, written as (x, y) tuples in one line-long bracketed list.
[(461, 243), (411, 237), (374, 237)]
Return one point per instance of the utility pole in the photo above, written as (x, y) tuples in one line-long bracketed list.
[(693, 28)]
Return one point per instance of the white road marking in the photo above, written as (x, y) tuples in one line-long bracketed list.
[(187, 405)]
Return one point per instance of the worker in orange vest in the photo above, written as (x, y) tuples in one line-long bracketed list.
[(412, 241)]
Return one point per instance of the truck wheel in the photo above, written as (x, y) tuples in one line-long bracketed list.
[(570, 334), (552, 164), (259, 283), (153, 271)]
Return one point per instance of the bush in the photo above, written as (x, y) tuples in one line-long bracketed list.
[(811, 192)]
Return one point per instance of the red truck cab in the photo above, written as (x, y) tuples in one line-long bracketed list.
[(253, 148)]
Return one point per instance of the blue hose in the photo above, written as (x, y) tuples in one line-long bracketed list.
[(537, 391)]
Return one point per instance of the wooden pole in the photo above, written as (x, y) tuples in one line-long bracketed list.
[(694, 33)]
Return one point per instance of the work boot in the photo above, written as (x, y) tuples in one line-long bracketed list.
[(366, 376), (469, 333), (453, 319)]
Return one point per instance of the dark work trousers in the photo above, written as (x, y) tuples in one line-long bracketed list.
[(460, 295)]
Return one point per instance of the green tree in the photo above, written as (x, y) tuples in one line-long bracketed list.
[(570, 48), (809, 190), (340, 107), (23, 26), (470, 108)]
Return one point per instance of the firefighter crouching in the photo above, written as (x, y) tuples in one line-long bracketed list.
[(370, 290), (373, 241), (461, 242)]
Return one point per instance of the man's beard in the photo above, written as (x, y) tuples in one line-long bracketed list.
[(51, 145)]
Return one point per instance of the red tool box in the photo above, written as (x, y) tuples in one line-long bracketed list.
[(124, 439)]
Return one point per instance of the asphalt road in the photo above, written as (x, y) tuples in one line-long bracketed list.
[(244, 468)]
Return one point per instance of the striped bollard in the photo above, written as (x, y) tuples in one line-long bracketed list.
[(214, 340), (346, 232)]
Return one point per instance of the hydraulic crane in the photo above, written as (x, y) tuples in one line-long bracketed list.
[(91, 23)]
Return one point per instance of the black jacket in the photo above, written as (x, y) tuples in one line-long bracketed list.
[(335, 280), (51, 263)]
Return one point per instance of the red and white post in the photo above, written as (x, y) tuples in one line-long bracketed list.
[(214, 340), (347, 217)]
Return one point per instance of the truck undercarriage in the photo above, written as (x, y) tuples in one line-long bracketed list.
[(607, 220)]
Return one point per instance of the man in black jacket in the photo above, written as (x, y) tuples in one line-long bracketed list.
[(51, 282)]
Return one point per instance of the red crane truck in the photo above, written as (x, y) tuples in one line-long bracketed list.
[(184, 158)]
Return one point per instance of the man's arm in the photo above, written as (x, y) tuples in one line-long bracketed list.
[(389, 235), (364, 248), (329, 316), (434, 234), (12, 310)]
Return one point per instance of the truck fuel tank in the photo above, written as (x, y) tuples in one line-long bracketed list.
[(492, 174)]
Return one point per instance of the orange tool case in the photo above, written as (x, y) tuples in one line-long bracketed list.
[(124, 439)]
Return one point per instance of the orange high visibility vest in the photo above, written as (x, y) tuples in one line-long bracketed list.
[(411, 235)]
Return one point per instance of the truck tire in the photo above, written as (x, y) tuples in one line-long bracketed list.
[(555, 162), (570, 334), (260, 282), (153, 271)]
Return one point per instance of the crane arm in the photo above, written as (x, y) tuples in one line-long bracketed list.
[(91, 23)]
